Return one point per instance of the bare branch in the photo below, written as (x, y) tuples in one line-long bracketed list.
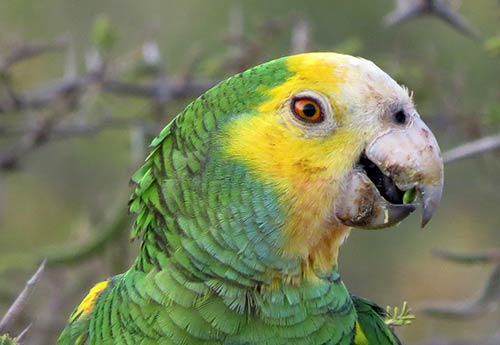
[(17, 307), (30, 50), (486, 144), (300, 36), (176, 89), (408, 9), (48, 94), (22, 335), (236, 39), (404, 11), (68, 90), (492, 256), (36, 137), (494, 340), (486, 301)]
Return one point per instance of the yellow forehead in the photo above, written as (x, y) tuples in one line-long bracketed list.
[(279, 150), (306, 170), (321, 72), (355, 87)]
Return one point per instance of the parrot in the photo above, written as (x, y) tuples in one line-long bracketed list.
[(245, 199)]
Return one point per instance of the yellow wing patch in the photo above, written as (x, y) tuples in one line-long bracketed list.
[(360, 338), (89, 301)]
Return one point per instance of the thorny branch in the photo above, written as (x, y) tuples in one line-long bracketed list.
[(159, 89), (486, 301), (162, 89), (59, 114), (17, 307), (408, 9), (30, 50), (68, 92), (47, 95)]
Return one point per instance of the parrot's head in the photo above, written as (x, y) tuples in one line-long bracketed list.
[(343, 146)]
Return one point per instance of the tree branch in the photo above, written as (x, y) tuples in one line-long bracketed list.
[(485, 257), (20, 302), (29, 51), (408, 9), (483, 145), (486, 301)]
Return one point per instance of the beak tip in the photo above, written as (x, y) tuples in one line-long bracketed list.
[(430, 198), (425, 220)]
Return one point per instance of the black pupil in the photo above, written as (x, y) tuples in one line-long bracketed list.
[(400, 117), (309, 110)]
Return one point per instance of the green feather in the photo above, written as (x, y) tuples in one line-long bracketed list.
[(209, 230), (371, 320)]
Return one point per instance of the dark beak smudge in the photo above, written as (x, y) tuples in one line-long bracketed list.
[(385, 185)]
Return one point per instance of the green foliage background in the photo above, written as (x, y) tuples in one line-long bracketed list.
[(65, 189)]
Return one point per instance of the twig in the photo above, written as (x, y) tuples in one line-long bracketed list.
[(487, 300), (446, 341), (300, 36), (404, 11), (473, 148), (43, 132), (492, 256), (22, 335), (30, 50), (176, 89), (494, 340), (47, 95), (408, 9), (36, 137), (192, 60), (236, 39), (75, 129), (17, 307)]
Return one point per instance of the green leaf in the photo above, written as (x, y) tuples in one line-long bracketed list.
[(104, 36)]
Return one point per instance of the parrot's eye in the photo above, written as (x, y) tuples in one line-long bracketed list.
[(307, 109), (312, 112), (400, 117)]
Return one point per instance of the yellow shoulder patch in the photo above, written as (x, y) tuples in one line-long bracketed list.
[(360, 338), (89, 301)]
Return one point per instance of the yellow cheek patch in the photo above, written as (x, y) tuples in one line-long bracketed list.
[(89, 301), (280, 150), (304, 170)]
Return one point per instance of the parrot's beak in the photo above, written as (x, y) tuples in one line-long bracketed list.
[(395, 166)]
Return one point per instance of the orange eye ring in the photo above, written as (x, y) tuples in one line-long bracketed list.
[(307, 109)]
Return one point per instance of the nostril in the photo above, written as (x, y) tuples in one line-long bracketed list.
[(400, 117)]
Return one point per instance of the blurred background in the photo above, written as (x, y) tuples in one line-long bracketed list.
[(85, 86)]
